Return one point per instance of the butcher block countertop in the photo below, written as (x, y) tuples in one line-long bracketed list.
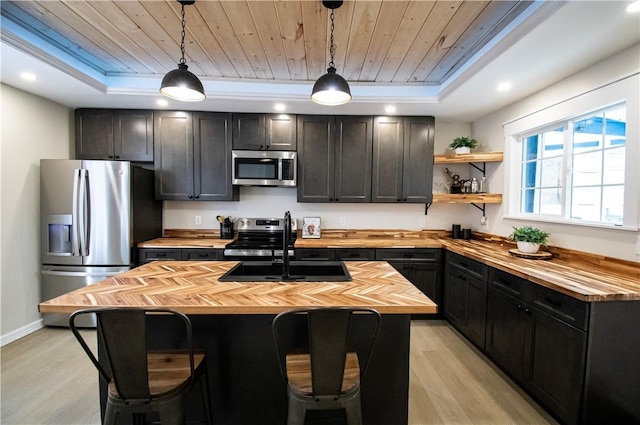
[(192, 287), (584, 276)]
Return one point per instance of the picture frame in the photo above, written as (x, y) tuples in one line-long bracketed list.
[(311, 227)]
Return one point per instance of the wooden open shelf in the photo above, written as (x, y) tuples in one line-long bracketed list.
[(467, 198), (469, 157)]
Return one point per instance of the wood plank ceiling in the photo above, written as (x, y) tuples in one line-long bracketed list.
[(384, 41)]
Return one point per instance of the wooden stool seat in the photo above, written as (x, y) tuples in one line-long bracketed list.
[(299, 373)]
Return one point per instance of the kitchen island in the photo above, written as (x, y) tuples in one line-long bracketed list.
[(232, 322)]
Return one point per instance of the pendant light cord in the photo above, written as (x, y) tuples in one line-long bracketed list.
[(332, 48), (182, 34)]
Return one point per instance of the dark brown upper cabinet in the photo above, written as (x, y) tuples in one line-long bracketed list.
[(114, 134), (264, 132), (403, 159), (193, 156), (334, 158)]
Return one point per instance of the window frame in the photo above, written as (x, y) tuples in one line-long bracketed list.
[(563, 113)]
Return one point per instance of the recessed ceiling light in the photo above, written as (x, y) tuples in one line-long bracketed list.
[(389, 109), (162, 102), (28, 76), (633, 7), (504, 86), (280, 107)]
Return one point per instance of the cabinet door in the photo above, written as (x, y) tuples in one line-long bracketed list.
[(212, 157), (417, 177), (202, 254), (426, 277), (173, 155), (315, 158), (554, 370), (248, 132), (280, 132), (476, 320), (455, 298), (146, 255), (506, 331), (315, 254), (355, 254), (388, 157), (94, 134), (133, 135), (353, 150)]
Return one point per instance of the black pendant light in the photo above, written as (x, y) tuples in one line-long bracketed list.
[(180, 84), (331, 89)]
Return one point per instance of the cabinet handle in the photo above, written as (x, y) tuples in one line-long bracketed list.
[(117, 157), (520, 307), (462, 277), (110, 156), (527, 310), (197, 196), (190, 196), (337, 199)]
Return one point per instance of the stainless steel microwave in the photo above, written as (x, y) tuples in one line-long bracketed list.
[(264, 168)]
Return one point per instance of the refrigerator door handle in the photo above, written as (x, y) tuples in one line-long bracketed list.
[(84, 213), (75, 214)]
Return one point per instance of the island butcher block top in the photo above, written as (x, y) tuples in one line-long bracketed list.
[(192, 287)]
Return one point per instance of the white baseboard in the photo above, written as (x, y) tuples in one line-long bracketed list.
[(21, 332)]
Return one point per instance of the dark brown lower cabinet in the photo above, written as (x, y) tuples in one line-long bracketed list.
[(543, 353), (421, 266), (146, 255), (465, 297)]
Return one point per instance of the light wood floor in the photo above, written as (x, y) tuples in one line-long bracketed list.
[(47, 379)]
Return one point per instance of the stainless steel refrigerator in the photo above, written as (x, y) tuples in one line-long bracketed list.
[(93, 214)]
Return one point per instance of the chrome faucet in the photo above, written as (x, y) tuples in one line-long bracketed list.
[(286, 235)]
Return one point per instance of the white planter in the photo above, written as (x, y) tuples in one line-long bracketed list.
[(528, 247), (462, 150)]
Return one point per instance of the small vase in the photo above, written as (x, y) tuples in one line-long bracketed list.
[(528, 247), (462, 150)]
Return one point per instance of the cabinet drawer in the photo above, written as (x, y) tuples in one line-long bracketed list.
[(355, 254), (201, 254), (409, 254), (310, 254), (563, 307), (160, 254), (471, 267), (512, 285)]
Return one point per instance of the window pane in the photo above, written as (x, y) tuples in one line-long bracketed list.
[(612, 204), (585, 203), (551, 172), (587, 169), (614, 166), (551, 201), (615, 127)]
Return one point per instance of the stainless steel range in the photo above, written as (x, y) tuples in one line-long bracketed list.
[(260, 239)]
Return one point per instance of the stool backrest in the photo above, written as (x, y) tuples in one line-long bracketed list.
[(329, 338), (123, 336)]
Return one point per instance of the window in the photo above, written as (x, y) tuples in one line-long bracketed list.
[(575, 170)]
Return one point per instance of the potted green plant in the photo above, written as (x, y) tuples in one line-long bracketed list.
[(529, 238), (463, 144)]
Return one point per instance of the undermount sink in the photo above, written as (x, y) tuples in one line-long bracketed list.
[(299, 271)]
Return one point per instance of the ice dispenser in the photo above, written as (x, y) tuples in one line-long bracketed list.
[(60, 234)]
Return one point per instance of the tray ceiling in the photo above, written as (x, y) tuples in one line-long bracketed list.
[(376, 41)]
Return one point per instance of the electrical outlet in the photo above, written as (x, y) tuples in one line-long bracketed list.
[(198, 220), (343, 222), (483, 220), (422, 222)]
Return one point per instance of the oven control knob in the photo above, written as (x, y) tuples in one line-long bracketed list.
[(244, 222)]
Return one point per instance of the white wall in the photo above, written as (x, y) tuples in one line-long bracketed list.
[(32, 128), (272, 202), (610, 242)]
